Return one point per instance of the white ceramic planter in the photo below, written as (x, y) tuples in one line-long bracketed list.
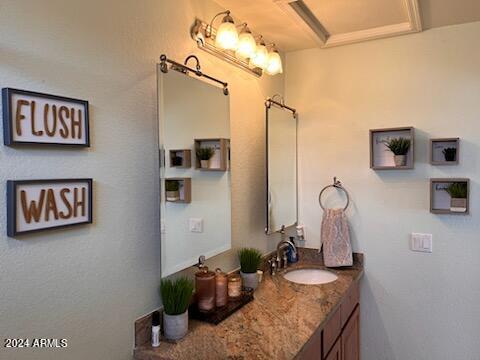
[(175, 327), (249, 280), (204, 164), (458, 205), (400, 160), (173, 195)]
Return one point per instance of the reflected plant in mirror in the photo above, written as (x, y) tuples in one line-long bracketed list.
[(172, 189), (205, 154)]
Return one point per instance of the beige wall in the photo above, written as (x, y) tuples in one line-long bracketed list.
[(414, 305), (88, 284)]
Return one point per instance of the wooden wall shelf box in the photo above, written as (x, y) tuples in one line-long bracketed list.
[(184, 154), (220, 161), (440, 200), (436, 150), (185, 190), (380, 157)]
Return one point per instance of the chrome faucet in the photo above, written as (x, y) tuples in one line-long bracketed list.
[(282, 245), (280, 261)]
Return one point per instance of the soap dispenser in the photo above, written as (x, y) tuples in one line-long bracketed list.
[(292, 253)]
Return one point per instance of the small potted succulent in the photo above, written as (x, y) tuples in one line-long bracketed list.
[(458, 196), (399, 147), (177, 160), (250, 260), (450, 153), (205, 154), (172, 188), (176, 297)]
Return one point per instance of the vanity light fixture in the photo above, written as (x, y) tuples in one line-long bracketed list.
[(260, 58), (246, 43), (227, 35), (274, 62), (242, 50)]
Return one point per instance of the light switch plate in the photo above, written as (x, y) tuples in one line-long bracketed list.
[(421, 242), (195, 225)]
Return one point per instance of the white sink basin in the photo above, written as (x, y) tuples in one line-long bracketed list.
[(310, 276)]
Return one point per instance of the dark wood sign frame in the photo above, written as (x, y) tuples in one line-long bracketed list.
[(12, 203), (8, 117)]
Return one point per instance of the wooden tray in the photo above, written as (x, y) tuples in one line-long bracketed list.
[(217, 315)]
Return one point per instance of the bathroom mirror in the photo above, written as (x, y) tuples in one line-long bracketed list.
[(281, 189), (195, 202)]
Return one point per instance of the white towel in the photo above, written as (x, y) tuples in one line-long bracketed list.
[(337, 249)]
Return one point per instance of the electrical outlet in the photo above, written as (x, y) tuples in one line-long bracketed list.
[(421, 242), (195, 225)]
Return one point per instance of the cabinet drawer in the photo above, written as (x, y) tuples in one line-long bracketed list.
[(348, 305), (331, 331)]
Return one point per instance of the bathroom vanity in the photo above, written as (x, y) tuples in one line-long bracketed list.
[(285, 321)]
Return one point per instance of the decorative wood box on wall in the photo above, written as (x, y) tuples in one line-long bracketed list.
[(183, 192), (181, 158), (381, 158), (35, 118), (221, 157), (450, 196), (35, 205), (444, 151)]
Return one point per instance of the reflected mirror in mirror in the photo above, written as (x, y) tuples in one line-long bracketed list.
[(194, 133), (281, 166)]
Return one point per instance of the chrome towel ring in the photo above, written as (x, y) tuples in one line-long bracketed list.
[(338, 185)]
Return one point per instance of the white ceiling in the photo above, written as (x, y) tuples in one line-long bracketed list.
[(338, 22), (344, 16)]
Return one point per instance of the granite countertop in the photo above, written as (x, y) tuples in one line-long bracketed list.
[(275, 325)]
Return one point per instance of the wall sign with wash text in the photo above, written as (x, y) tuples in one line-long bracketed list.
[(34, 205), (35, 118)]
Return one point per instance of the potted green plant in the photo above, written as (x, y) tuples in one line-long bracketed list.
[(399, 147), (450, 154), (176, 297), (458, 196), (250, 260), (205, 154), (172, 188), (177, 160)]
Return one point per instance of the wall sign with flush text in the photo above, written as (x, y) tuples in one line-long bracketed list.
[(34, 205), (35, 118)]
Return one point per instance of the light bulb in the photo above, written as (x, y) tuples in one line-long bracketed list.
[(274, 65), (246, 45), (227, 35), (260, 59)]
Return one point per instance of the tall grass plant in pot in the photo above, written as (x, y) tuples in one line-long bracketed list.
[(176, 297), (172, 190), (399, 147), (458, 196), (205, 154), (250, 260)]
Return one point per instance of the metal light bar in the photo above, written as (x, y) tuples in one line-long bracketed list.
[(183, 68), (204, 35), (270, 101)]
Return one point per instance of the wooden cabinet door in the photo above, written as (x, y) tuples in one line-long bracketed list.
[(312, 349), (351, 337), (336, 351)]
